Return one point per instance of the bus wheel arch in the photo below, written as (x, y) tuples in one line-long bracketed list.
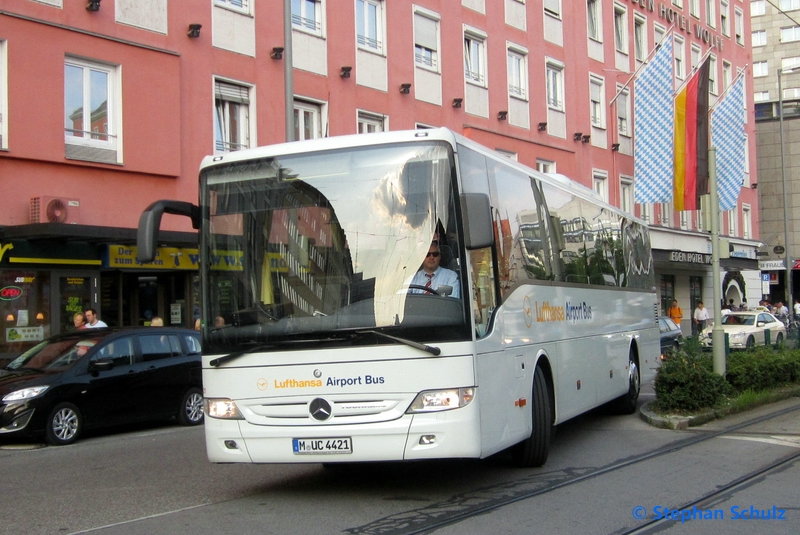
[(627, 402), (533, 451)]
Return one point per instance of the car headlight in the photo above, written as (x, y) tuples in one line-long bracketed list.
[(224, 409), (26, 393), (442, 400), (737, 336)]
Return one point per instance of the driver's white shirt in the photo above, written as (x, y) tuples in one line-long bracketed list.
[(441, 277)]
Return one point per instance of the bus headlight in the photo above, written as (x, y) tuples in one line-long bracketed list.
[(442, 400), (224, 409)]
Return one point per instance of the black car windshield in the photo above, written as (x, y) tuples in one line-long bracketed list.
[(54, 354)]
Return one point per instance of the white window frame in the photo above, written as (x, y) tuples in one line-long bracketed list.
[(594, 20), (426, 57), (679, 53), (517, 71), (727, 74), (232, 104), (790, 62), (112, 127), (761, 96), (694, 8), (597, 108), (309, 19), (713, 87), (677, 3), (554, 84), (665, 209), (623, 104), (314, 111), (789, 5), (620, 28), (758, 38), (659, 32), (733, 222), (645, 212), (760, 68), (368, 122), (626, 194), (684, 219), (697, 54), (600, 183), (240, 6), (747, 222), (725, 18), (552, 8), (790, 34), (758, 8), (364, 23), (738, 26), (545, 166), (711, 13), (640, 47), (475, 57)]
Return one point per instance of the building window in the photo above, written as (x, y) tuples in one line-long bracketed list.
[(666, 210), (746, 222), (621, 28), (640, 37), (732, 223), (508, 154), (679, 52), (623, 112), (789, 5), (90, 89), (667, 293), (600, 181), (231, 117), (677, 3), (758, 8), (545, 166), (727, 74), (760, 69), (696, 55), (791, 34), (759, 38), (369, 25), (695, 294), (475, 58), (594, 25), (659, 32), (790, 62), (761, 96), (684, 219), (554, 74), (307, 121), (370, 122), (626, 195), (694, 8), (597, 109), (711, 13), (725, 18), (517, 74), (738, 26), (644, 211), (236, 5), (307, 15), (552, 8), (712, 76), (426, 41)]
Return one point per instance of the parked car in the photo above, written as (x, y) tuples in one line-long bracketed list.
[(101, 377), (671, 336), (746, 330)]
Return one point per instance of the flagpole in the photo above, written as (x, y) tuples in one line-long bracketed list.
[(717, 332), (688, 78), (642, 66), (728, 89)]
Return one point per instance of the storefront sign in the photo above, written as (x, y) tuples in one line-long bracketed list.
[(9, 293), (175, 313), (24, 334), (771, 265), (689, 257), (172, 258)]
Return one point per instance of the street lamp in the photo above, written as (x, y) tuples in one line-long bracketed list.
[(787, 240)]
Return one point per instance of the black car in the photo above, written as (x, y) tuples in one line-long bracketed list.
[(100, 377), (671, 337)]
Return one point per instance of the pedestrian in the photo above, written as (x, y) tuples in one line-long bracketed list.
[(93, 322), (675, 313), (700, 318), (79, 320), (156, 321)]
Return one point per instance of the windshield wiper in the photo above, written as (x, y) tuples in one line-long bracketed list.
[(433, 350), (236, 354)]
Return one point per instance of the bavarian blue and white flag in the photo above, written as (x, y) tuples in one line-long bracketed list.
[(653, 106), (727, 135)]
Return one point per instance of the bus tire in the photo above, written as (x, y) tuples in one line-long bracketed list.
[(626, 403), (533, 451)]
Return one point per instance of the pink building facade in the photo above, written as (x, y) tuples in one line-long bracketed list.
[(165, 83)]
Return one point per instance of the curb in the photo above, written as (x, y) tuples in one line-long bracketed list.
[(685, 422)]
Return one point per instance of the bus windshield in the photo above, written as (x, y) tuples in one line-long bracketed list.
[(314, 246)]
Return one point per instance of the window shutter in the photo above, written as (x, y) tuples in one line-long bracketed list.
[(231, 93), (425, 32)]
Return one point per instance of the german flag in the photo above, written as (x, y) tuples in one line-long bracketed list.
[(691, 141)]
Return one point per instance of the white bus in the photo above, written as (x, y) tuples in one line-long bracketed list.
[(321, 346)]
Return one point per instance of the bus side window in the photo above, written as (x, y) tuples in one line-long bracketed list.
[(484, 299)]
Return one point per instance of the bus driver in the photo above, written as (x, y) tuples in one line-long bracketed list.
[(432, 275)]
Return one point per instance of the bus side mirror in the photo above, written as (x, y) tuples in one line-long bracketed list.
[(150, 221), (478, 227)]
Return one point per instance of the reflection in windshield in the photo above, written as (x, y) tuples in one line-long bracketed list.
[(330, 241), (52, 355)]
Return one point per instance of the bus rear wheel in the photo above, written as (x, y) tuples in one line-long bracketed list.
[(533, 451), (626, 403)]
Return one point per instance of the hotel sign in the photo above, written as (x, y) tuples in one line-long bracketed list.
[(689, 258), (681, 21)]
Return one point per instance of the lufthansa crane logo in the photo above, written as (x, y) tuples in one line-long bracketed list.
[(319, 409), (527, 310)]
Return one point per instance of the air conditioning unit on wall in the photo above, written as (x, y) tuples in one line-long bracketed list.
[(55, 210)]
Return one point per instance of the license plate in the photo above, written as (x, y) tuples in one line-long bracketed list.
[(305, 446)]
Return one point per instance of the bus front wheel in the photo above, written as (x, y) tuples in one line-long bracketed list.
[(533, 450)]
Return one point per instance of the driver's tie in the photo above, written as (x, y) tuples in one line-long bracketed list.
[(430, 277)]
